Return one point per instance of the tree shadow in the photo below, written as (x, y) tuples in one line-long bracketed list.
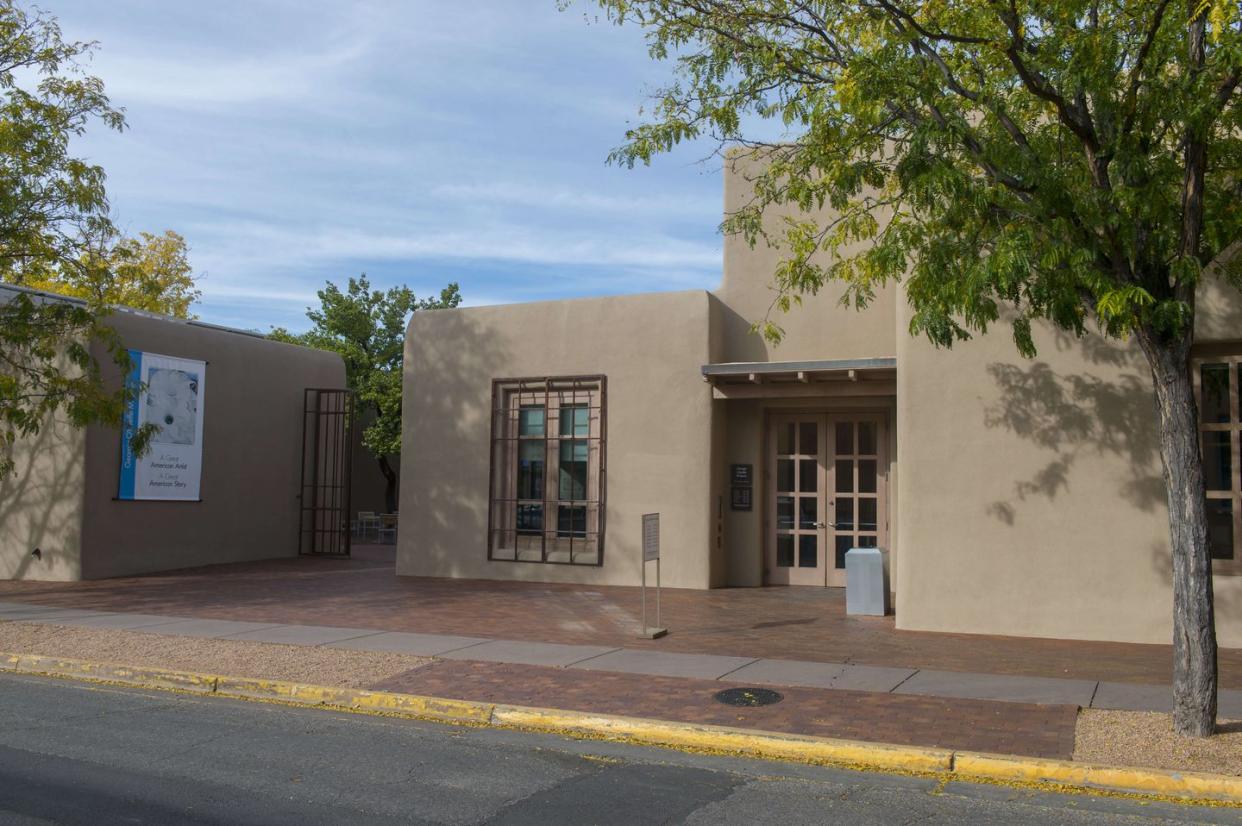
[(41, 505), (1072, 414)]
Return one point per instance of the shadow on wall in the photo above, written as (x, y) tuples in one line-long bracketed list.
[(741, 341), (1072, 414), (1228, 611), (451, 392), (41, 506)]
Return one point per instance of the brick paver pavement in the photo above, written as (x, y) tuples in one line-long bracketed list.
[(974, 725), (784, 623)]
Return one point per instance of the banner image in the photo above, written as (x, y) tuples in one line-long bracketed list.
[(172, 399)]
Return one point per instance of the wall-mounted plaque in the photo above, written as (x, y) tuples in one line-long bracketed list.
[(741, 499), (742, 474)]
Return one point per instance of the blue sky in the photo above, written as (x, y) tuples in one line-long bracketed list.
[(293, 142)]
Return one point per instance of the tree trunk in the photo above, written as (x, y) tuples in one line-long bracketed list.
[(390, 484), (1194, 623)]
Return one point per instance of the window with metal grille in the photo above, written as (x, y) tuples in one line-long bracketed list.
[(547, 478), (1220, 431)]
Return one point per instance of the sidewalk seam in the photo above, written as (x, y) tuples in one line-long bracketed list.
[(906, 679), (739, 668), (592, 657)]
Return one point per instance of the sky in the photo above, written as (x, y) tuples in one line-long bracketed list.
[(294, 142)]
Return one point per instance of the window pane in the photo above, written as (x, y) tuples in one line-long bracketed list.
[(845, 438), (785, 513), (575, 421), (784, 551), (571, 521), (866, 476), (845, 514), (843, 544), (808, 472), (530, 469), (866, 514), (530, 518), (808, 512), (573, 469), (1214, 384), (785, 475), (1217, 460), (785, 439), (530, 420), (808, 439), (1220, 528), (845, 476), (866, 438), (808, 551), (865, 542)]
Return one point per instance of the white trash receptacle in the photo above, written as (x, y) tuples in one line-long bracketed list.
[(866, 582)]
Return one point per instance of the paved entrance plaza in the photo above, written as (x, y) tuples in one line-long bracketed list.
[(799, 624)]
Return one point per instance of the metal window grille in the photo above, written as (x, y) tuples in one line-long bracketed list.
[(548, 470), (327, 451), (1219, 382)]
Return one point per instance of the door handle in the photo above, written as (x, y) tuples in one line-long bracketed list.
[(825, 524)]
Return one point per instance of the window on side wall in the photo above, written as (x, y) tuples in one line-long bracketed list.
[(1219, 381), (547, 470)]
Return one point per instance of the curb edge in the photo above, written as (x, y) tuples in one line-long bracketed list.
[(1061, 775)]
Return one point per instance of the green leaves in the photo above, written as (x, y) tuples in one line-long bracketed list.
[(1030, 157), (53, 222), (367, 328)]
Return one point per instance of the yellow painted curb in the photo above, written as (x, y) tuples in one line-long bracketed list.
[(723, 739), (950, 765), (463, 711), (111, 673), (1196, 785)]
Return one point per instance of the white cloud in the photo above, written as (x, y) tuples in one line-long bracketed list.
[(564, 198), (296, 140), (252, 245)]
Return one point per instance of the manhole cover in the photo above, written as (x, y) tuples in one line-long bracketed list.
[(749, 696)]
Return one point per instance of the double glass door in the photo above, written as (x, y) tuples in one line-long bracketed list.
[(827, 493)]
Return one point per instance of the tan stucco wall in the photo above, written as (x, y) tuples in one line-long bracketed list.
[(820, 329), (251, 456), (41, 505), (650, 347), (1031, 500)]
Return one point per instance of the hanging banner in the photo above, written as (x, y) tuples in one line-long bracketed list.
[(171, 397)]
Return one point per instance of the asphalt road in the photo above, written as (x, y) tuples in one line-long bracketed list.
[(75, 753)]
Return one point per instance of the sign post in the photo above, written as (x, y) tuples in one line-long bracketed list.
[(651, 552)]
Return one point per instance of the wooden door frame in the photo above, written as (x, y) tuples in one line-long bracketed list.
[(794, 575), (885, 419), (835, 577)]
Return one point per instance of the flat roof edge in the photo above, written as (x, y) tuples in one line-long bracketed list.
[(741, 368), (120, 308)]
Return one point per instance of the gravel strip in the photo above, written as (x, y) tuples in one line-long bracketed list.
[(334, 667), (1146, 738)]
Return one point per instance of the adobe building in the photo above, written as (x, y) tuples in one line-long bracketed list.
[(1013, 496), (235, 488)]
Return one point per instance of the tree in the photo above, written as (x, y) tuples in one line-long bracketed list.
[(367, 328), (151, 272), (1074, 161), (53, 216)]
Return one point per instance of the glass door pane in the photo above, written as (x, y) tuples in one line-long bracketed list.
[(797, 445), (858, 498)]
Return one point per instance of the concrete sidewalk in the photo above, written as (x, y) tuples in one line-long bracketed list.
[(850, 677), (787, 624)]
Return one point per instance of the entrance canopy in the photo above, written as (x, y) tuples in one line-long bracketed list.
[(763, 379)]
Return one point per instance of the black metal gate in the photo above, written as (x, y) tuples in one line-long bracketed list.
[(327, 451)]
